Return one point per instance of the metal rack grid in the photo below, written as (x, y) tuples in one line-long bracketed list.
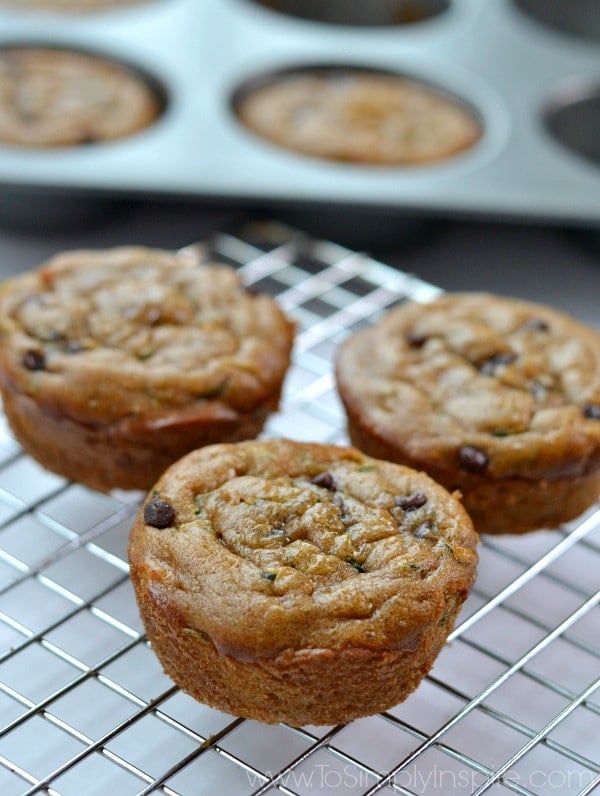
[(512, 704)]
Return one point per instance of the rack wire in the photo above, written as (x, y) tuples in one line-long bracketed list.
[(512, 704)]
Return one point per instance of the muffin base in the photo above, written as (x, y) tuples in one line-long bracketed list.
[(496, 505), (298, 687), (131, 454)]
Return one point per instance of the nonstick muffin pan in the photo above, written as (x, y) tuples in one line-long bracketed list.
[(530, 71)]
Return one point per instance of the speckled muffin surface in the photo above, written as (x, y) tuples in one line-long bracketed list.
[(359, 117), (58, 97), (497, 397), (298, 582), (115, 363)]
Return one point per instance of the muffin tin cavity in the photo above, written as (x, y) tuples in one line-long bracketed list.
[(57, 97), (372, 14), (573, 119), (580, 18), (357, 115)]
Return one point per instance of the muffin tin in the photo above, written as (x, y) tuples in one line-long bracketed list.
[(530, 69)]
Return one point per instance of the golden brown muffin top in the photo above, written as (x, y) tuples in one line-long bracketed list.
[(348, 115), (134, 331), (268, 546), (57, 97), (481, 383)]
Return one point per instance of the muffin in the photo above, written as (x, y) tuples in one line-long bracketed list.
[(496, 397), (115, 363), (57, 97), (298, 582), (358, 116), (373, 14)]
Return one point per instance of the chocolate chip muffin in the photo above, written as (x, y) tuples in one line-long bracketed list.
[(358, 116), (115, 363), (58, 97), (496, 397), (298, 582)]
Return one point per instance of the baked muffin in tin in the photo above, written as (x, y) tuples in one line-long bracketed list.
[(115, 363), (55, 97), (298, 582), (496, 397), (358, 116)]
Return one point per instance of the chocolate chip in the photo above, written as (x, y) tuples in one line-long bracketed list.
[(472, 458), (34, 359), (410, 502), (488, 367), (158, 513), (415, 339), (325, 480), (536, 325), (591, 411)]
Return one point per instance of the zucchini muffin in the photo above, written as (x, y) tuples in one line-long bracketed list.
[(57, 97), (496, 397), (358, 116), (298, 582), (115, 363)]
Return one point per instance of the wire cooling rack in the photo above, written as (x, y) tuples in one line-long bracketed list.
[(512, 704)]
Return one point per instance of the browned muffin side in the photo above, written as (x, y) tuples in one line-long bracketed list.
[(298, 582), (496, 397), (115, 363), (358, 116), (58, 97)]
